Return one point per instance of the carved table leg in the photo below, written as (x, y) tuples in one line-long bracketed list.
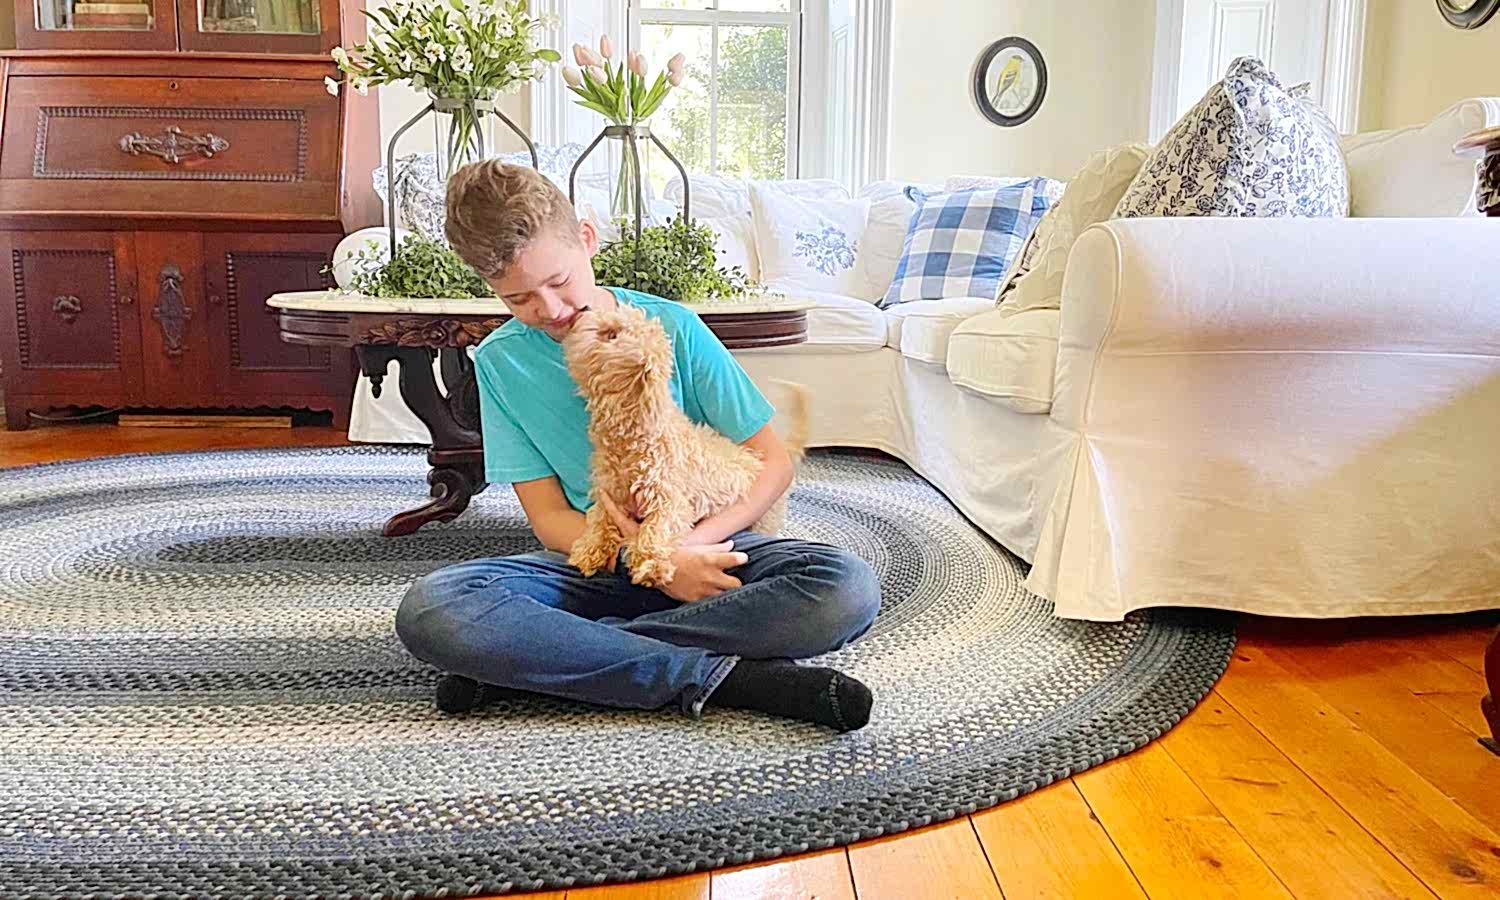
[(456, 455), (1491, 702)]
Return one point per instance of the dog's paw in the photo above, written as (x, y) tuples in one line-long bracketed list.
[(590, 559), (652, 572)]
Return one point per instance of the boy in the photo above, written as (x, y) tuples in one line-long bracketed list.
[(740, 606)]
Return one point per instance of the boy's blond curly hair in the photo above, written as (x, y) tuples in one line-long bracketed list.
[(494, 210)]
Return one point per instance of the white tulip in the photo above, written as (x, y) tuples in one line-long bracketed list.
[(363, 86), (606, 49), (340, 55), (676, 63), (512, 69), (332, 86), (597, 74), (676, 78), (572, 76), (638, 64)]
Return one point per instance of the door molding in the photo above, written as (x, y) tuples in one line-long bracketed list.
[(1166, 67), (1344, 63)]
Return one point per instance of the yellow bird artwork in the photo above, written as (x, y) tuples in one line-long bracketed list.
[(1010, 76)]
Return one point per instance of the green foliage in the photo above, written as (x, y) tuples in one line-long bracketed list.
[(420, 268), (677, 262), (751, 106)]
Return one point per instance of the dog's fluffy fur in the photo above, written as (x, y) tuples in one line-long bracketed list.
[(646, 448)]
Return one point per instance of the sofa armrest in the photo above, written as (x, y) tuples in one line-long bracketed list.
[(1255, 400)]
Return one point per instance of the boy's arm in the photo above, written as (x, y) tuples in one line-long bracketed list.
[(736, 408), (774, 479), (553, 519)]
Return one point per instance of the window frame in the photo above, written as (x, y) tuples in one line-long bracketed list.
[(793, 20)]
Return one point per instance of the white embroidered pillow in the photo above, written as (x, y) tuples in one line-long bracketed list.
[(809, 244)]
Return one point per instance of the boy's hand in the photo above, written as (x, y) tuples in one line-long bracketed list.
[(702, 572), (627, 524)]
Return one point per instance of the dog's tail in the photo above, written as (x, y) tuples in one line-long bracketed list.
[(796, 435)]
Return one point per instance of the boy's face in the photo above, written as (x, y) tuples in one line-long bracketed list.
[(551, 280)]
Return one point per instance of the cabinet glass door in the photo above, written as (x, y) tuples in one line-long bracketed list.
[(99, 25), (260, 26)]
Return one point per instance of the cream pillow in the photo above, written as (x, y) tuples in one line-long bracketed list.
[(734, 243), (1035, 280), (1414, 171)]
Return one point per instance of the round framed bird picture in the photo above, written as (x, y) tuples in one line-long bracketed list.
[(1467, 13), (1010, 81)]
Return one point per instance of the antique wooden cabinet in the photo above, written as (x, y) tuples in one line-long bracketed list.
[(164, 167)]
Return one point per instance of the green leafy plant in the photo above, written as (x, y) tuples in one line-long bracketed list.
[(420, 268), (678, 262)]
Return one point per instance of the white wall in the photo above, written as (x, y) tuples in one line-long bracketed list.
[(1417, 65), (1098, 56)]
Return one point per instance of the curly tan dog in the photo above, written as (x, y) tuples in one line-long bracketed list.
[(647, 453)]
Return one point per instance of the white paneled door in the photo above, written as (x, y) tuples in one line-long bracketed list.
[(1301, 40)]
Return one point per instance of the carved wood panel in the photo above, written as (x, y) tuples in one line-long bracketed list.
[(177, 355), (211, 146), (66, 308), (170, 144), (242, 270), (68, 311)]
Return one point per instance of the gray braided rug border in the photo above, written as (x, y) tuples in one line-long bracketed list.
[(1206, 642)]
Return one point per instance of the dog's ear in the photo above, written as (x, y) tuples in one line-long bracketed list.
[(656, 358)]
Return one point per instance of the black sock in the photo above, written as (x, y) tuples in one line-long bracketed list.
[(806, 693), (458, 694)]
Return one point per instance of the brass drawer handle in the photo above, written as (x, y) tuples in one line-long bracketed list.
[(174, 145), (171, 310), (67, 308)]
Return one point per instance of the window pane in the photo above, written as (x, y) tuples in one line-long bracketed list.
[(65, 15), (681, 122), (259, 16), (752, 101), (756, 5)]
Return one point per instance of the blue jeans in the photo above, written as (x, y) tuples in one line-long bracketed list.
[(532, 622)]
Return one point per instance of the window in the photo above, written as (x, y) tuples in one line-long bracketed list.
[(737, 113), (778, 88)]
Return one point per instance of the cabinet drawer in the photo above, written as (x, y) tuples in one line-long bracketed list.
[(223, 147)]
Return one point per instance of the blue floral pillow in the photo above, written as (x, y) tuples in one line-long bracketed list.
[(961, 243), (1249, 148)]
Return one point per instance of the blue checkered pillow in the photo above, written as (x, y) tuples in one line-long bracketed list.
[(961, 243)]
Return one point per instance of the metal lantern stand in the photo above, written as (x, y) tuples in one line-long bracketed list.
[(631, 135), (444, 105)]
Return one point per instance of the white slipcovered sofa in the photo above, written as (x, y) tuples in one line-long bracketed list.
[(1290, 417)]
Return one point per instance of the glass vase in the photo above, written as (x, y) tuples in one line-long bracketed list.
[(462, 140), (625, 200), (626, 203)]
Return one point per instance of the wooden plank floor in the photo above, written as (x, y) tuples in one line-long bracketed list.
[(1335, 759)]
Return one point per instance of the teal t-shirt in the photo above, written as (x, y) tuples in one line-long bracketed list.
[(535, 423)]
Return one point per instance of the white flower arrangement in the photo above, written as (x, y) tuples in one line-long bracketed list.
[(471, 49)]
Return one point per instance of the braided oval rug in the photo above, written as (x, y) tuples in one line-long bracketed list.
[(201, 694)]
